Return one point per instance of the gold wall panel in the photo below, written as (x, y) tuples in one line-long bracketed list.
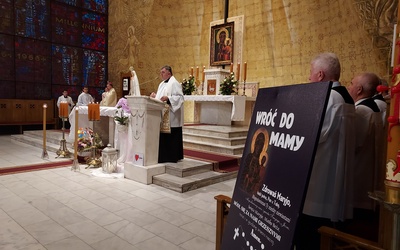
[(280, 37)]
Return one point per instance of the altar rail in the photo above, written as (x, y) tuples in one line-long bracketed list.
[(19, 112)]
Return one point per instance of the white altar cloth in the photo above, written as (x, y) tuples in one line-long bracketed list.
[(84, 122), (209, 106), (238, 103)]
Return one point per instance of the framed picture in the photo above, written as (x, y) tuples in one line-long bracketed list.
[(125, 84), (221, 44)]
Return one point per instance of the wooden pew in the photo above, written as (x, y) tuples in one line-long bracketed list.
[(332, 239), (20, 112)]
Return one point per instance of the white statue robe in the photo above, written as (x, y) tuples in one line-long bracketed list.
[(134, 85)]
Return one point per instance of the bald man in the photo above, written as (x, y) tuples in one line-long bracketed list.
[(369, 142)]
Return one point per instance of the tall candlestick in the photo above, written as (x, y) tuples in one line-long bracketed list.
[(191, 71), (45, 155), (245, 71), (203, 76), (197, 72), (231, 69), (44, 125), (76, 133), (75, 165), (238, 72)]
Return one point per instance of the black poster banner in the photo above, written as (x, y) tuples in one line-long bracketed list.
[(275, 167)]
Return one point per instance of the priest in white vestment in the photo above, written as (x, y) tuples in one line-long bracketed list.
[(330, 192), (369, 141), (170, 92)]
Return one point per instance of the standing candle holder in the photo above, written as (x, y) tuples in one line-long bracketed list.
[(45, 155), (391, 201), (75, 164), (244, 78), (93, 116), (63, 114)]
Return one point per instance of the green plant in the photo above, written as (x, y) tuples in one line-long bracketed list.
[(188, 85), (229, 85), (120, 116)]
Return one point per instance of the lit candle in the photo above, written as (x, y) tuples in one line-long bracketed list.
[(44, 125), (191, 71), (245, 71), (76, 133), (197, 72), (231, 69), (238, 72), (203, 77)]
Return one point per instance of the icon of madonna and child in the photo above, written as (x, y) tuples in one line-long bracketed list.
[(255, 162)]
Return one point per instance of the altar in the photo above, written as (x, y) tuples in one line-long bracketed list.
[(105, 128), (219, 109)]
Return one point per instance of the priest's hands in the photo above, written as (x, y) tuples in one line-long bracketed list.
[(164, 98)]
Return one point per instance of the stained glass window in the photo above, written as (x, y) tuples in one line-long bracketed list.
[(93, 31), (6, 17), (66, 25), (67, 65), (95, 5), (32, 19), (32, 60), (47, 46), (7, 70)]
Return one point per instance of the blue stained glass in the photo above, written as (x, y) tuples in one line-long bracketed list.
[(32, 19), (95, 5)]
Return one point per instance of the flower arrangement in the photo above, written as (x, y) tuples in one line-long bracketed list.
[(87, 139), (188, 85), (228, 86), (120, 117)]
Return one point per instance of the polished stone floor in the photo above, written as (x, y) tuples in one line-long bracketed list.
[(62, 209)]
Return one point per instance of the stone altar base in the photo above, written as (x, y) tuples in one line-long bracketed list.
[(143, 174)]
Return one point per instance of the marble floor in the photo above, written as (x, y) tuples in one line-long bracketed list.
[(62, 209)]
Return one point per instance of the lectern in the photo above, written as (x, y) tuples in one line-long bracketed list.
[(144, 138)]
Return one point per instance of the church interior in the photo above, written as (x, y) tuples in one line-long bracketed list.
[(50, 46)]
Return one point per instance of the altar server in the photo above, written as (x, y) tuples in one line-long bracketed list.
[(84, 98), (65, 98)]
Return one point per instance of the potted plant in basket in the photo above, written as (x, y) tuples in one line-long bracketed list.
[(122, 119), (87, 141), (188, 86), (229, 85)]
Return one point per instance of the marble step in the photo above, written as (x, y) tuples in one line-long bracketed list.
[(187, 167), (183, 176), (216, 131), (229, 150), (192, 182), (52, 136), (215, 140), (38, 142), (219, 139)]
